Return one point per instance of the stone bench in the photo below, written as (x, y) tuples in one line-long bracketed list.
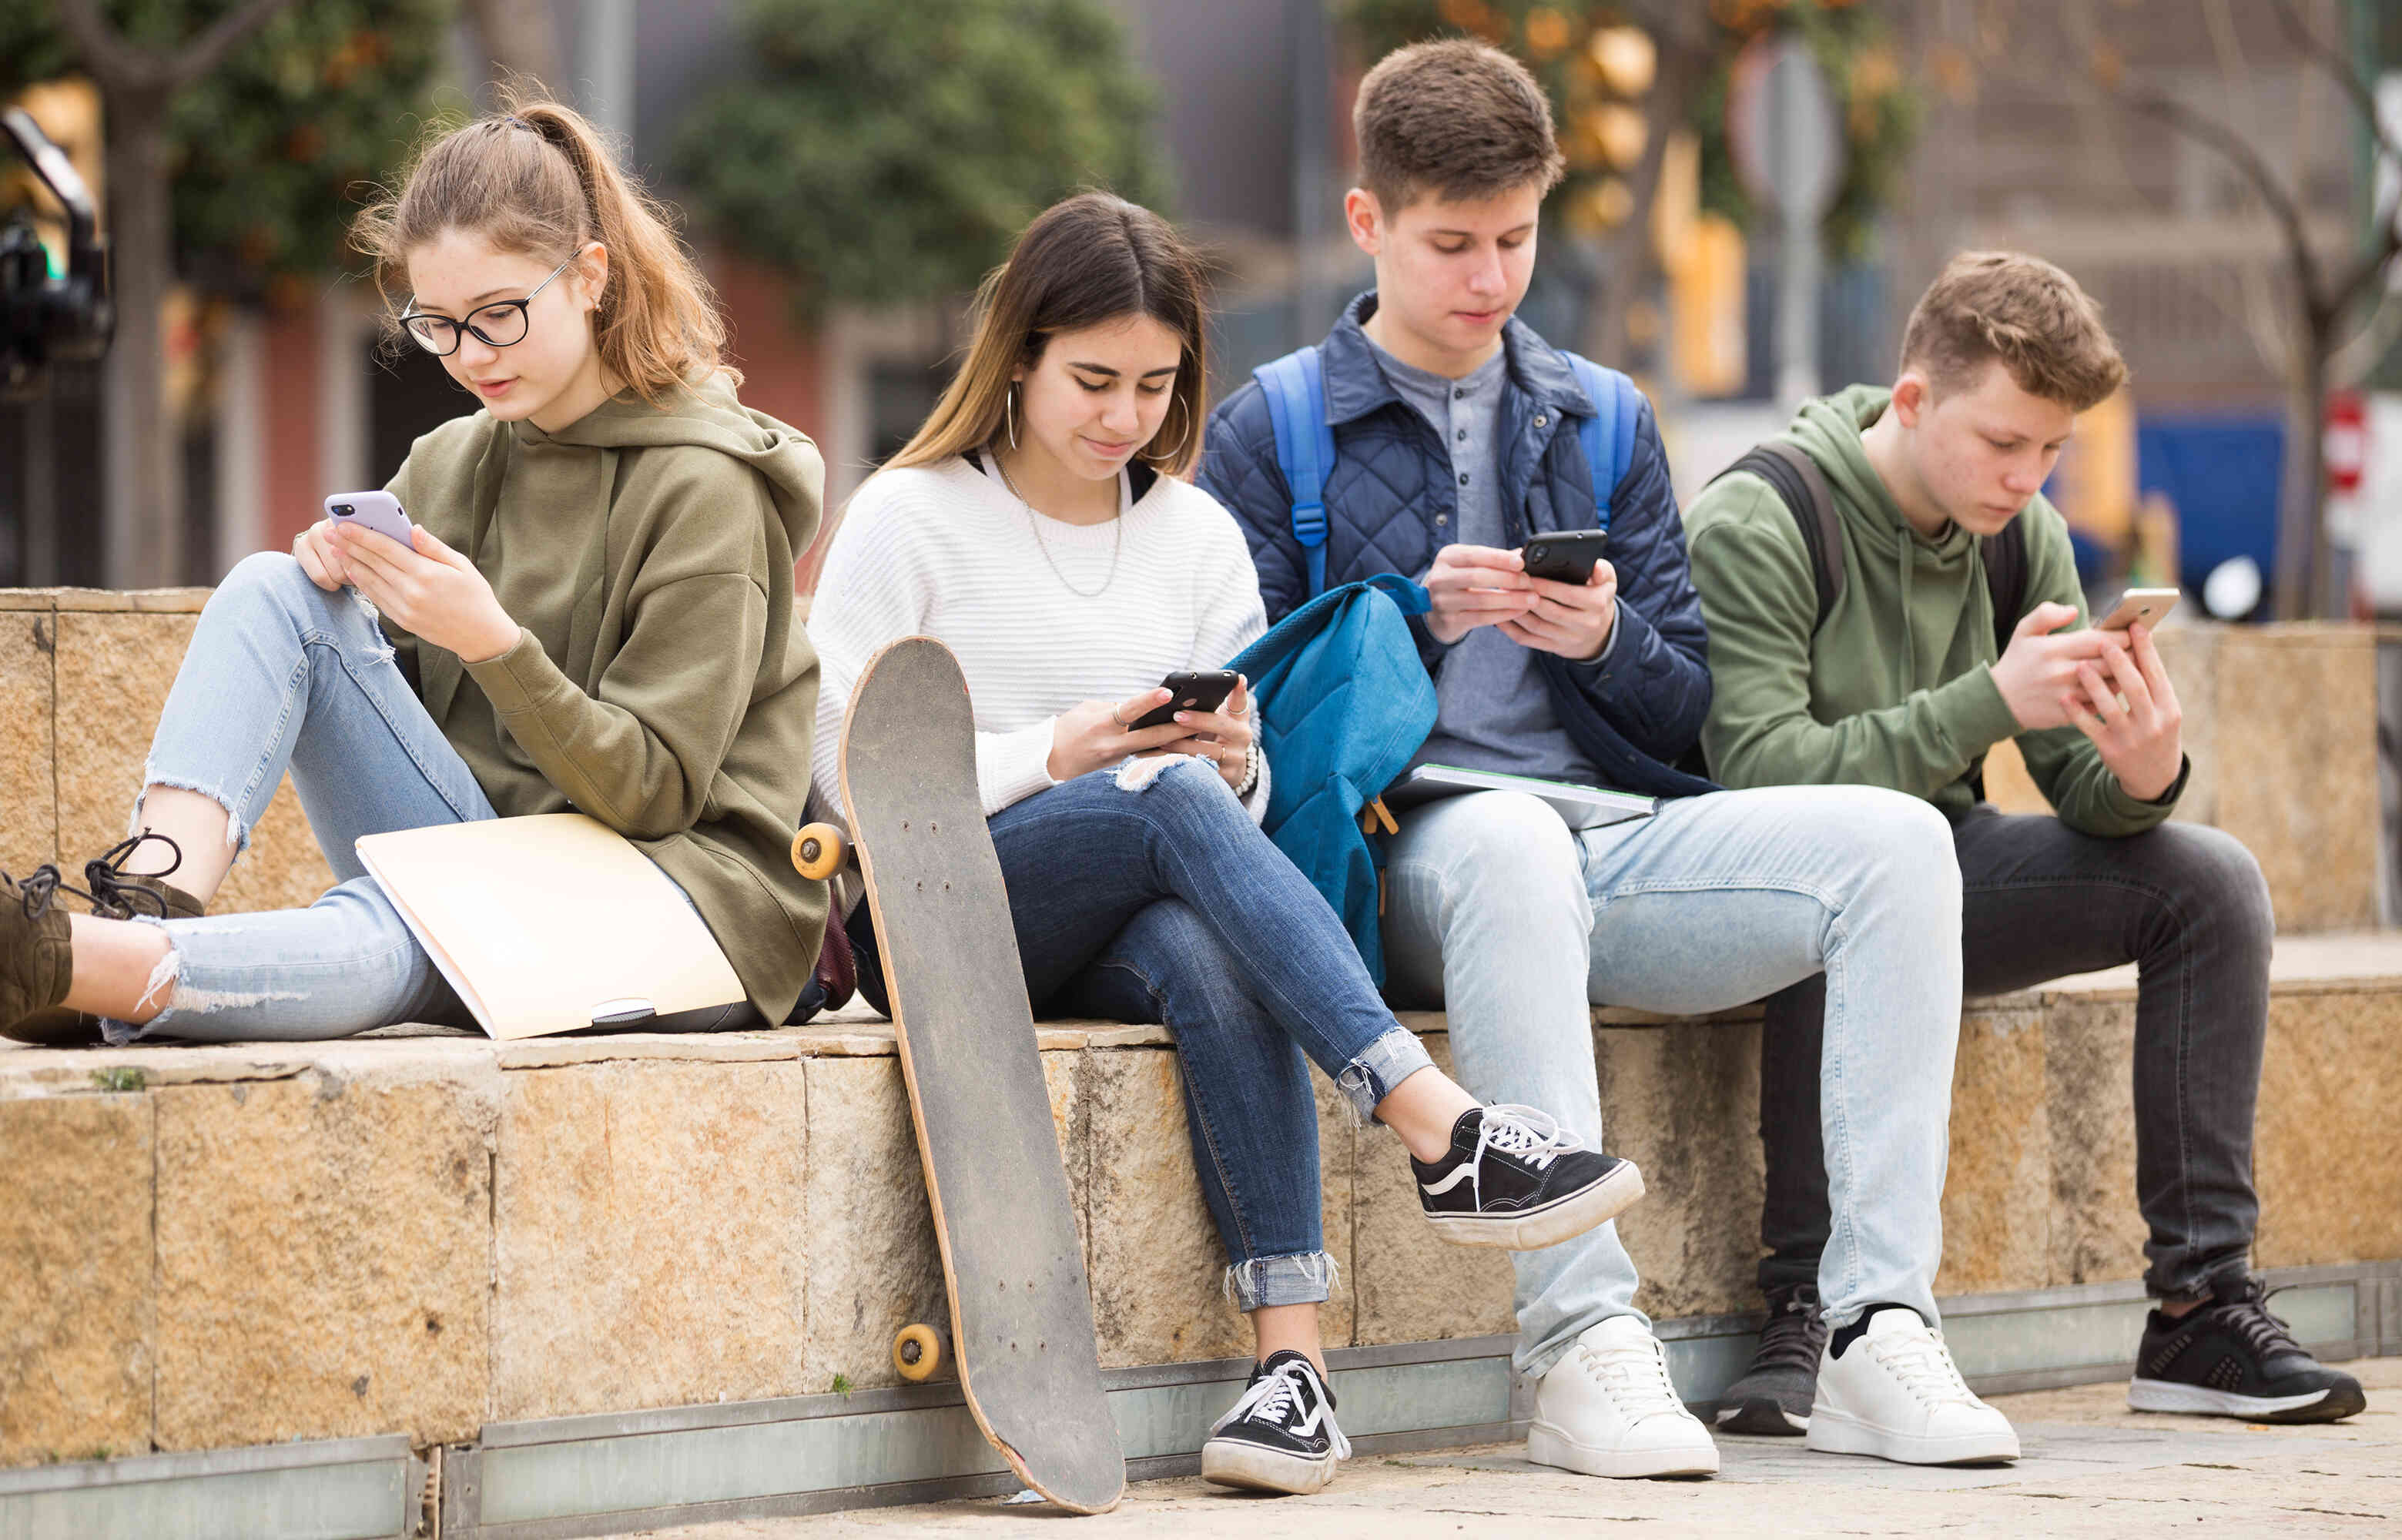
[(418, 1232), (414, 1240)]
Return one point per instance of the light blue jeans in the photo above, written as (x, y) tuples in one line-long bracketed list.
[(282, 675), (1496, 911)]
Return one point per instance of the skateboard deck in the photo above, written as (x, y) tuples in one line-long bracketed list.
[(1021, 1316)]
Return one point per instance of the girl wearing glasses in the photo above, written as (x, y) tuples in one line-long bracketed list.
[(1039, 526), (595, 611)]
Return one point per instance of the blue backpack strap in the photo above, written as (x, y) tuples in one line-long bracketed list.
[(1305, 443), (1609, 434)]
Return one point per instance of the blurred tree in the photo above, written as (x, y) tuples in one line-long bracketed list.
[(1624, 76), (2336, 297), (237, 136), (885, 153)]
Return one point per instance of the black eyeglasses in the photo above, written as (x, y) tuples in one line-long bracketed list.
[(496, 325)]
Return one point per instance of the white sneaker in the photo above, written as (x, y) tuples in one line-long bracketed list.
[(1896, 1394), (1608, 1409)]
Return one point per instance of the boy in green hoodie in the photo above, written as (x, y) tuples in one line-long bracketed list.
[(1904, 682)]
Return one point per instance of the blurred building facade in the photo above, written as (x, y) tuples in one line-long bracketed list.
[(2021, 146)]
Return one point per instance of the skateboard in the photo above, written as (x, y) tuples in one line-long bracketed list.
[(1021, 1316)]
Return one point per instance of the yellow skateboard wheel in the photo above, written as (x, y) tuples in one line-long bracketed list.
[(916, 1353), (817, 851)]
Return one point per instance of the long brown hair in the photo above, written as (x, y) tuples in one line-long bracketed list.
[(537, 178), (1088, 261)]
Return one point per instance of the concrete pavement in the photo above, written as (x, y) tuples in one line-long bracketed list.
[(2093, 1468)]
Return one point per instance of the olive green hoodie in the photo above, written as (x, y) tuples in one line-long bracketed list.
[(660, 682), (1895, 688)]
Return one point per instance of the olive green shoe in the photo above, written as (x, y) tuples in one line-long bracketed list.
[(115, 896), (36, 957)]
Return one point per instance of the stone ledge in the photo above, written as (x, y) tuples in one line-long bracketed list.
[(422, 1231), (152, 601)]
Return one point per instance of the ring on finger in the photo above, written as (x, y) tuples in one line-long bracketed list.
[(1123, 726)]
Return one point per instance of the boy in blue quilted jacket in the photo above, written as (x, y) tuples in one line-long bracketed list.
[(1456, 433)]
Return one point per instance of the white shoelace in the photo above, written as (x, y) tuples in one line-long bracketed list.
[(1924, 1366), (1528, 1132), (1275, 1397), (1635, 1378)]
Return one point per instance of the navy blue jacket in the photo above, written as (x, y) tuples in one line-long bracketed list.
[(1391, 503)]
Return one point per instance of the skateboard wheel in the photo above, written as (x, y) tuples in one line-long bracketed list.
[(916, 1352), (817, 851)]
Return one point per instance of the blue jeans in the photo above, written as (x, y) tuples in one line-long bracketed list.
[(282, 675), (1518, 926), (1167, 905)]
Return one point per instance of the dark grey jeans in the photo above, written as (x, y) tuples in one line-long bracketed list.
[(2184, 902)]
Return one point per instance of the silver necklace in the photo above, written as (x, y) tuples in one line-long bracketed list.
[(1034, 527)]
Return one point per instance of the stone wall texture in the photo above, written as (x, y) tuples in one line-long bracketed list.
[(83, 677), (2280, 723), (218, 1246)]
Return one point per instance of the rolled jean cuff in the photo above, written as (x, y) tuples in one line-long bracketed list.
[(1380, 1066), (1303, 1278)]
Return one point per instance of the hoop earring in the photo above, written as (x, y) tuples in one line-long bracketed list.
[(1009, 410), (1181, 439)]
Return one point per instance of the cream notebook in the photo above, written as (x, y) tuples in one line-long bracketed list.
[(551, 923)]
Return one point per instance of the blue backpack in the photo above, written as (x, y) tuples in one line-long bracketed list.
[(1343, 703), (1295, 388)]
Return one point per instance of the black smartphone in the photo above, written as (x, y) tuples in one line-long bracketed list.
[(1568, 556), (1203, 692)]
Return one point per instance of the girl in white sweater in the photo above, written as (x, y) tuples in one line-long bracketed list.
[(1038, 525)]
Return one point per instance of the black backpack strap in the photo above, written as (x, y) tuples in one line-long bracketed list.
[(1803, 488), (2006, 578)]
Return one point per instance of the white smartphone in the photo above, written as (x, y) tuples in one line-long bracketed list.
[(377, 511), (2138, 604)]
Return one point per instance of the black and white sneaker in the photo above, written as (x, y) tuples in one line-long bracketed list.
[(1515, 1178), (2229, 1358), (1772, 1399), (1281, 1436)]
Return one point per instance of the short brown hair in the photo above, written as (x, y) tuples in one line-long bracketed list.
[(1460, 119), (2021, 310)]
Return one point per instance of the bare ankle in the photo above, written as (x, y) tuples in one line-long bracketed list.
[(1422, 1111)]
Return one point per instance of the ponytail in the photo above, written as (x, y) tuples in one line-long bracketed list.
[(537, 178)]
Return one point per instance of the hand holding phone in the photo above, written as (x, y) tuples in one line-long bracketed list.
[(1189, 692), (379, 511), (1568, 556), (2147, 605)]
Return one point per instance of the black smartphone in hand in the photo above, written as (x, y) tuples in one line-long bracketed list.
[(1568, 556), (1196, 692)]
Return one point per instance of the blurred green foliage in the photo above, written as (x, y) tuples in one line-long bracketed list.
[(881, 153), (1853, 42), (274, 150)]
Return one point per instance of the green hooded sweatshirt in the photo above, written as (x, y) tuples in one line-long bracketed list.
[(1895, 688), (660, 683)]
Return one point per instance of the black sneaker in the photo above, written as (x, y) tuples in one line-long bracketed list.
[(1772, 1399), (1281, 1436), (2229, 1358), (1516, 1178)]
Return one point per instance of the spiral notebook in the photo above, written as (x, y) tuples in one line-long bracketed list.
[(551, 923)]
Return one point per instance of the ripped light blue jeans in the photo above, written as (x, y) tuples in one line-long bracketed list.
[(282, 675), (1518, 926), (1167, 905)]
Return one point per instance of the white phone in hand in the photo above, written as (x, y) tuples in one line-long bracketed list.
[(377, 511), (2138, 604)]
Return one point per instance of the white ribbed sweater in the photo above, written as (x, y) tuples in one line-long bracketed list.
[(946, 551)]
